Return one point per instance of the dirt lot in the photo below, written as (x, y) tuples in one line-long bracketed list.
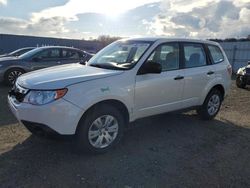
[(170, 150)]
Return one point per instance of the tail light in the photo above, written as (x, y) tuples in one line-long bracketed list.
[(229, 70)]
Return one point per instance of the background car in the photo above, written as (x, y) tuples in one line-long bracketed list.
[(243, 76), (18, 52), (38, 58)]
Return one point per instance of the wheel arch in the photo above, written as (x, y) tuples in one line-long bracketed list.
[(216, 86), (113, 102), (10, 68), (220, 88)]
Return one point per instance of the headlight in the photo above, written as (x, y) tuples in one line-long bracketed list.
[(36, 97)]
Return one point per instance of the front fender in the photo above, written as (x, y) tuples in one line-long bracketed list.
[(84, 95)]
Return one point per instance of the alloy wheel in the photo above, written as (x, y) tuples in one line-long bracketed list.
[(103, 131), (213, 104), (13, 75)]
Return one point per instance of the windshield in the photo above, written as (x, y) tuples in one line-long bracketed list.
[(30, 53), (120, 55)]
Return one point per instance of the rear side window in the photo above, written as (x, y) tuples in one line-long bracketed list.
[(194, 55), (216, 54), (70, 54)]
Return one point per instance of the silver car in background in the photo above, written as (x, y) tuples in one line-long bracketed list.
[(38, 58)]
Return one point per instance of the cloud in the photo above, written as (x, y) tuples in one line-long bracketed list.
[(206, 19), (3, 2), (45, 26), (74, 7), (171, 18)]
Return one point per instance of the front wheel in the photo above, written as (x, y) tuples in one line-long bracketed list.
[(100, 130), (11, 75), (211, 105)]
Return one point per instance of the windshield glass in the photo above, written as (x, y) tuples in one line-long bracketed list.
[(30, 53), (120, 55)]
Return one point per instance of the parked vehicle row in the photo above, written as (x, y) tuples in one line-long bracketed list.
[(13, 66), (127, 80)]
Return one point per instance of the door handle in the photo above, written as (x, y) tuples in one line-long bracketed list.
[(179, 78), (210, 73), (58, 62)]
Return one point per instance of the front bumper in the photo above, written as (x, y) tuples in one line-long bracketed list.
[(60, 116)]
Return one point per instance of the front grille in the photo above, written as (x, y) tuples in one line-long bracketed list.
[(18, 92)]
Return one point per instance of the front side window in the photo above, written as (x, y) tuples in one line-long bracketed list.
[(49, 54), (167, 55), (216, 54), (194, 55), (120, 55)]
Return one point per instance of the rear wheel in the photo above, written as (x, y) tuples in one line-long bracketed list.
[(11, 75), (240, 81), (211, 105), (100, 130)]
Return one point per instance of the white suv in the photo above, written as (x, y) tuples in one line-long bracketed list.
[(127, 80)]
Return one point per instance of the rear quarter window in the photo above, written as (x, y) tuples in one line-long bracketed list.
[(216, 54)]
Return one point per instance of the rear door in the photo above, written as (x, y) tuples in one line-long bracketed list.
[(46, 58), (70, 56), (198, 72)]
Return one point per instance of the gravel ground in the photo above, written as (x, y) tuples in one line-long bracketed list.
[(170, 150)]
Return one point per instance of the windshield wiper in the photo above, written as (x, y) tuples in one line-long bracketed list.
[(111, 66)]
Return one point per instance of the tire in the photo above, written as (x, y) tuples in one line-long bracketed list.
[(92, 138), (211, 105), (240, 81), (11, 75)]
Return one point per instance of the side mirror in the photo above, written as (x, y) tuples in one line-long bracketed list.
[(150, 67), (83, 61), (248, 62), (36, 59)]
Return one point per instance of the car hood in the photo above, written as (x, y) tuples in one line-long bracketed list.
[(4, 55), (6, 59), (61, 76)]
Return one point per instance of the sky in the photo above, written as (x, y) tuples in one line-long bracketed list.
[(82, 19)]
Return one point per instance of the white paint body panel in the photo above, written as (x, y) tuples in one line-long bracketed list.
[(143, 95)]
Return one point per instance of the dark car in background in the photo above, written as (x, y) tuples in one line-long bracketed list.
[(18, 52), (243, 76), (38, 58)]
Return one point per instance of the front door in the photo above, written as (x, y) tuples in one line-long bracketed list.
[(46, 58), (159, 93)]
